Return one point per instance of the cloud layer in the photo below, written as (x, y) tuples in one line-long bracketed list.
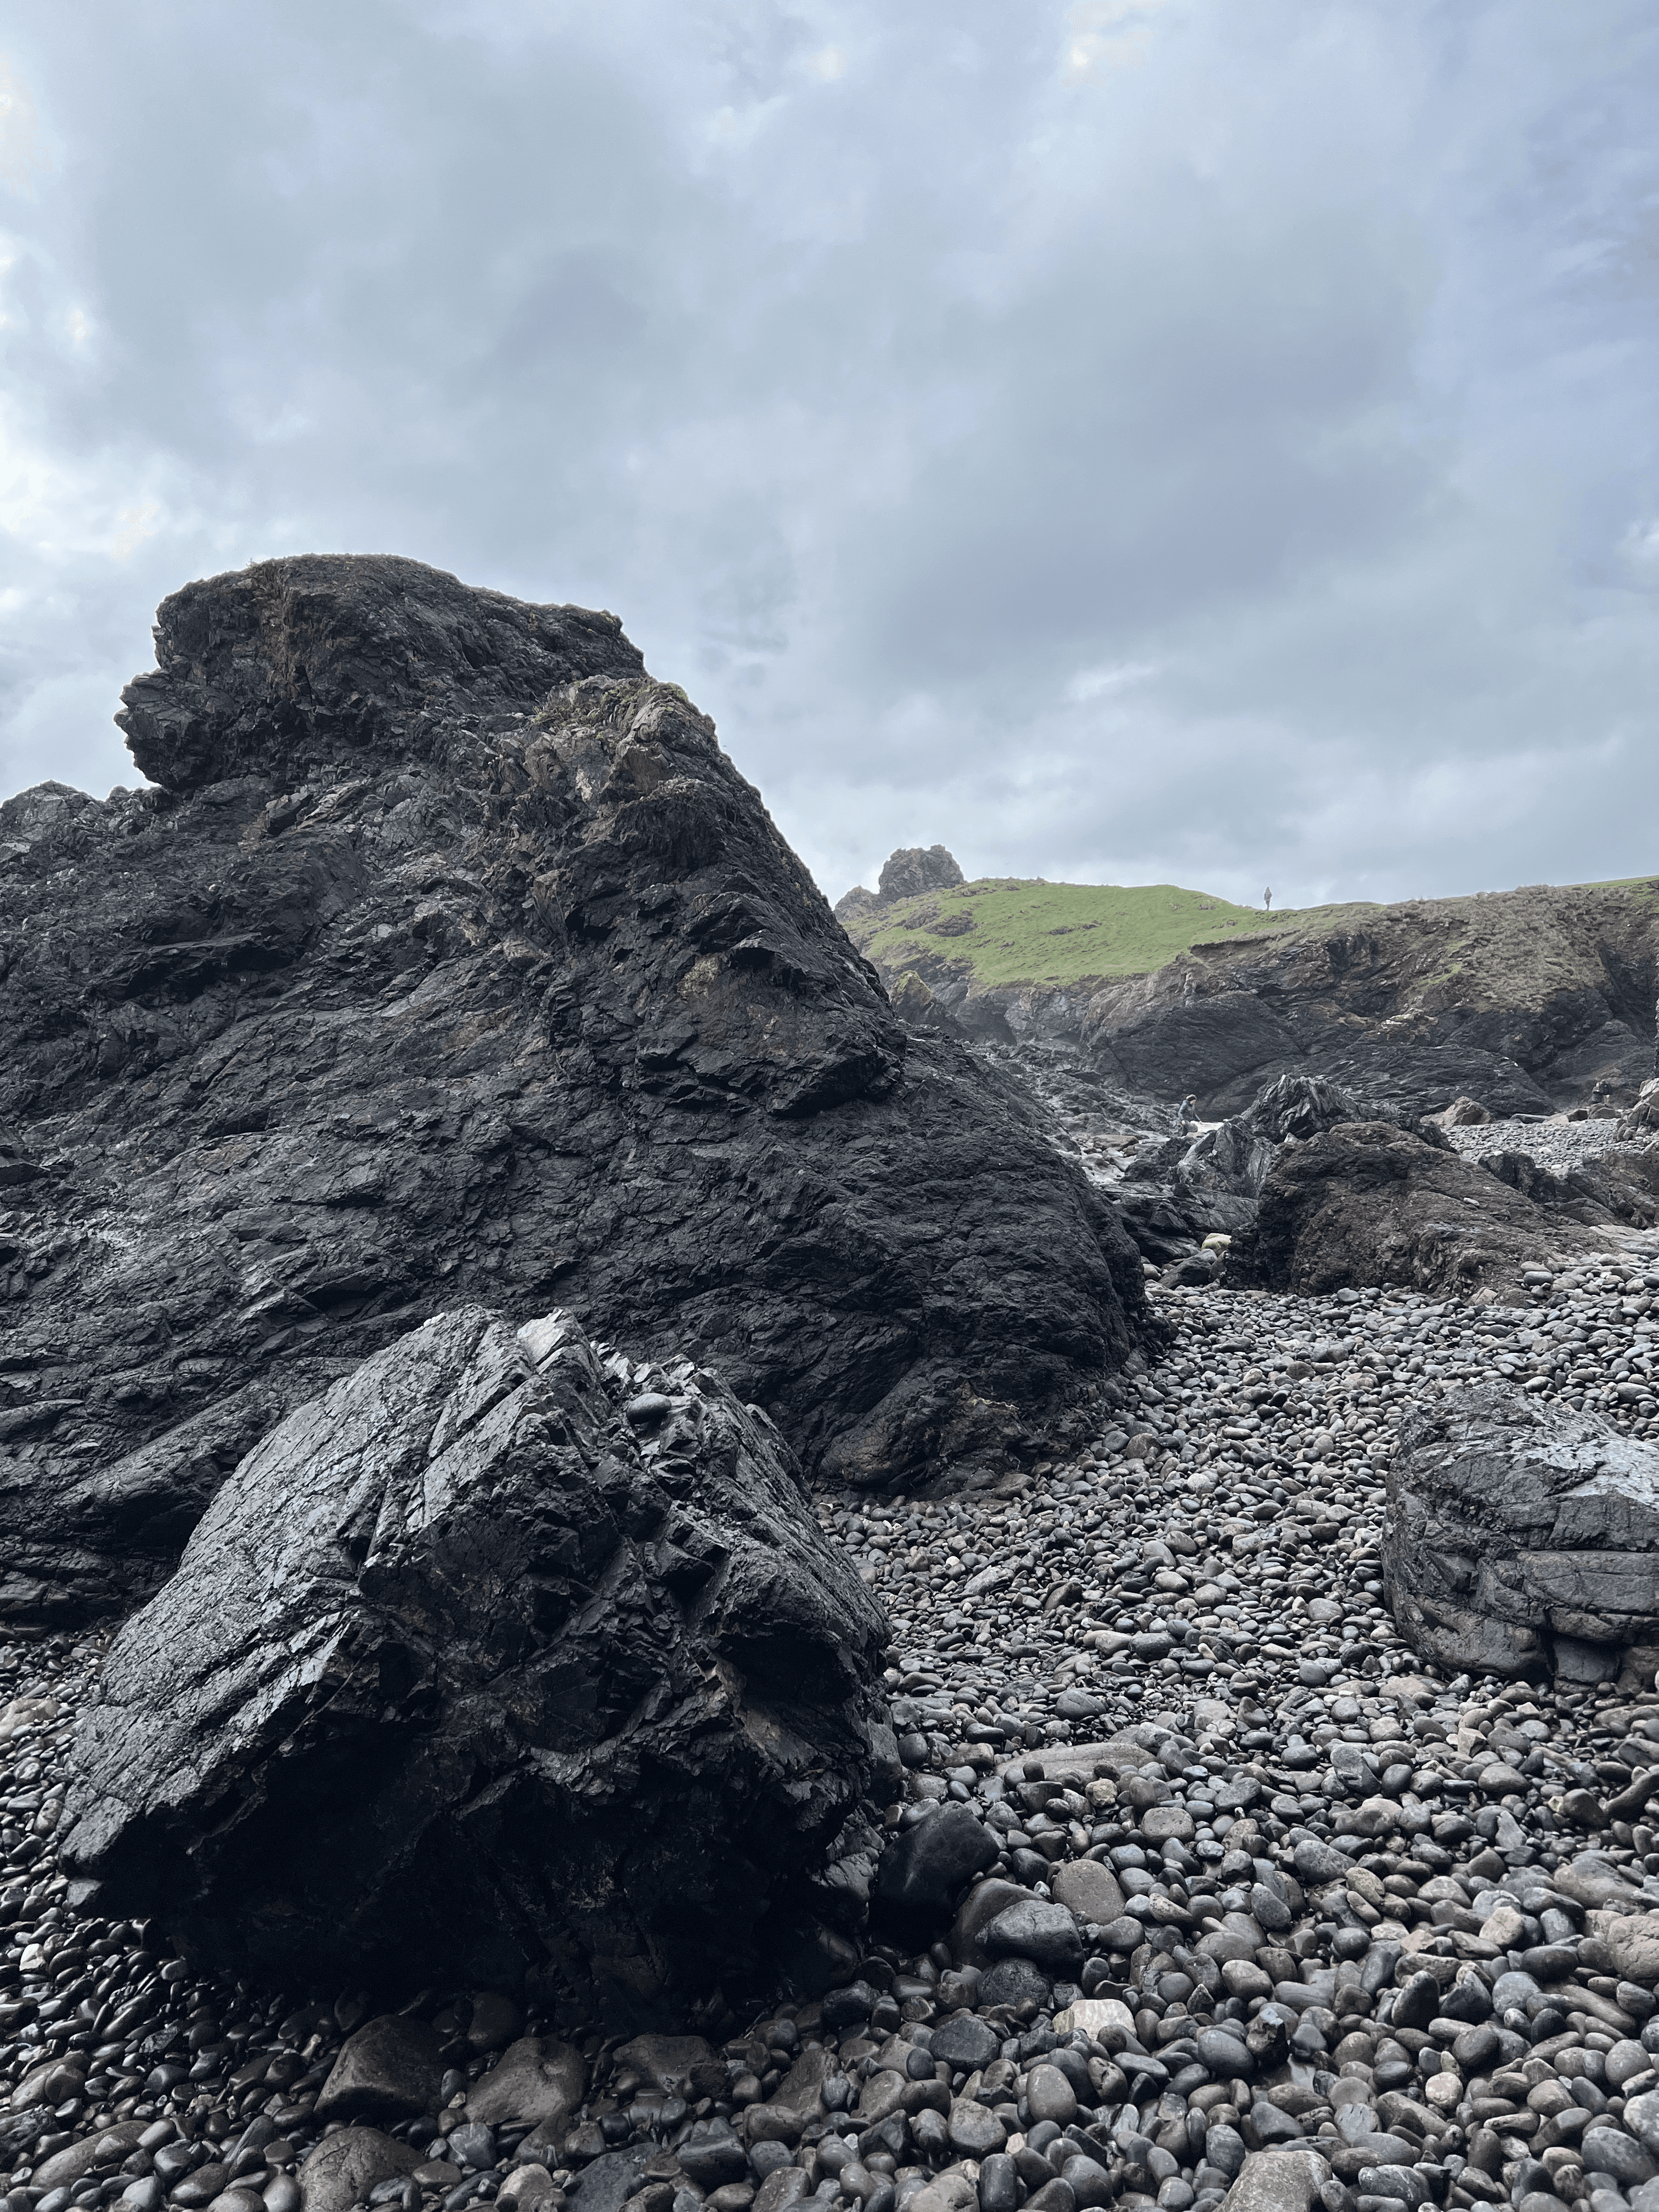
[(1137, 440)]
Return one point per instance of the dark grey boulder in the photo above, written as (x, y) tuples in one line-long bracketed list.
[(924, 1869), (468, 1675), (606, 2183), (346, 2165), (1522, 1540), (1016, 1982), (966, 2041), (712, 2155), (389, 2069), (454, 960), (1032, 1929), (1368, 1203)]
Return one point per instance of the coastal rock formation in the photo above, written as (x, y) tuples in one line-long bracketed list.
[(906, 873), (499, 1659), (1219, 1176), (451, 959), (1521, 1539), (1174, 1193), (1368, 1203), (1617, 1185), (915, 868)]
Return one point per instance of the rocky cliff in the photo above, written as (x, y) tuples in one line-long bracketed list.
[(451, 959), (1527, 1000)]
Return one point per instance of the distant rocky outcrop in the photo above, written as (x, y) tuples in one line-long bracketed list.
[(451, 959), (501, 1660), (904, 874), (1368, 1203), (1524, 1541), (916, 868), (1621, 1184)]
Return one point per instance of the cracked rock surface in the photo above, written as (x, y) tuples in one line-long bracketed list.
[(498, 1662), (454, 960)]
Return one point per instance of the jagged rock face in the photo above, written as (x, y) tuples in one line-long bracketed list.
[(912, 869), (1368, 1203), (337, 662), (1521, 1540), (454, 960), (1211, 1184), (915, 868), (496, 1661), (1237, 1156)]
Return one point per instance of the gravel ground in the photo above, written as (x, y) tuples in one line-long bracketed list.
[(1559, 1145), (1320, 1895)]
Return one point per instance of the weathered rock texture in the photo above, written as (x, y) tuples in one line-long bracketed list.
[(1175, 1194), (1213, 1180), (910, 871), (454, 959), (1519, 1539), (1621, 1184), (915, 868), (493, 1661), (1368, 1203)]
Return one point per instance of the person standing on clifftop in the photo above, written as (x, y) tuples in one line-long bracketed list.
[(1268, 900)]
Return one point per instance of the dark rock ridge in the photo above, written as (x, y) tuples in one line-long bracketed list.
[(497, 1660), (454, 960), (1523, 1540), (1209, 1184), (1368, 1203)]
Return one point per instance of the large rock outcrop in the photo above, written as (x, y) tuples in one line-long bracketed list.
[(454, 959), (1621, 1184), (498, 1660), (915, 868), (1523, 1540), (906, 873), (1174, 1193), (1368, 1203), (1214, 1179)]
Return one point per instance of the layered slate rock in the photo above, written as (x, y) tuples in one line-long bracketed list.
[(498, 1663), (1521, 1540), (452, 958), (1238, 1155), (1212, 1183), (1367, 1203)]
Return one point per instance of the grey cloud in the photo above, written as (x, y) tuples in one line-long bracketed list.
[(890, 371)]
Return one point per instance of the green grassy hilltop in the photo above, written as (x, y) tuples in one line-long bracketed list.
[(1038, 933), (1006, 931)]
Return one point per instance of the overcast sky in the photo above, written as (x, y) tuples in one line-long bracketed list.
[(1197, 440)]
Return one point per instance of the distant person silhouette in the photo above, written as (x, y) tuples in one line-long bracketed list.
[(1268, 899)]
